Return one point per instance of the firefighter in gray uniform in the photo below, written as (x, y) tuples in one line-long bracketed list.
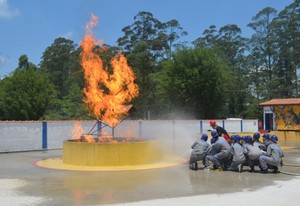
[(273, 156), (266, 142), (199, 147), (209, 153), (252, 151), (257, 142), (238, 154), (223, 152)]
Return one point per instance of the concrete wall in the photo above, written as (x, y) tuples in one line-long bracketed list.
[(288, 137), (28, 135)]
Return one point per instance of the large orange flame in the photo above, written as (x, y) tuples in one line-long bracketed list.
[(106, 92)]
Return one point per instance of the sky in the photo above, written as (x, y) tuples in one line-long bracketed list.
[(30, 26)]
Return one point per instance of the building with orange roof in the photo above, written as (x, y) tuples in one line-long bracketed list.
[(281, 114)]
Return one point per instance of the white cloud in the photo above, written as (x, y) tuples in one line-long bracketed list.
[(2, 59), (6, 11)]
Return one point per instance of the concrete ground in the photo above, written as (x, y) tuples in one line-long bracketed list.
[(23, 183)]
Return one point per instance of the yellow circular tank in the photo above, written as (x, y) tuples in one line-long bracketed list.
[(111, 154)]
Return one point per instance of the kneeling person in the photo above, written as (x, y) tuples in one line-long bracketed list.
[(238, 154), (199, 147), (272, 157), (222, 152)]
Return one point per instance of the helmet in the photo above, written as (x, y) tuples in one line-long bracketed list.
[(274, 138), (214, 133), (248, 139), (237, 138), (256, 135), (266, 136), (212, 122), (204, 137), (213, 140)]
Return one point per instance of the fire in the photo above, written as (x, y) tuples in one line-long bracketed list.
[(77, 129), (107, 91)]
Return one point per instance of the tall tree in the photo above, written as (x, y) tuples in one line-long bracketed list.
[(173, 31), (147, 42), (143, 63), (25, 94), (287, 27), (144, 28), (229, 45), (262, 55), (209, 40), (59, 61), (23, 62), (191, 85), (69, 107)]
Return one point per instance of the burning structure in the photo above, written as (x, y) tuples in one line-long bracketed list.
[(108, 92)]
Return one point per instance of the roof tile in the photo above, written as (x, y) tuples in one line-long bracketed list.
[(273, 102)]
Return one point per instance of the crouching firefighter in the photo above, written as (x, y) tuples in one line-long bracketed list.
[(223, 152), (273, 157), (198, 153)]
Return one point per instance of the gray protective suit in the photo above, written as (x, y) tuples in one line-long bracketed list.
[(199, 148), (272, 157), (238, 156), (252, 153), (223, 152), (210, 152), (265, 144)]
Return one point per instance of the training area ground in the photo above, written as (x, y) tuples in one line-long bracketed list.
[(24, 183)]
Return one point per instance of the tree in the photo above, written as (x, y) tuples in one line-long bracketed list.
[(209, 39), (229, 45), (23, 62), (173, 31), (192, 84), (262, 56), (25, 95), (70, 107), (147, 42), (287, 28), (143, 63), (227, 42), (61, 62)]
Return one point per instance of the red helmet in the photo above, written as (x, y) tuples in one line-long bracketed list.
[(212, 122)]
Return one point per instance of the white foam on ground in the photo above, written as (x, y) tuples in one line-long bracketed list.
[(9, 194), (282, 193)]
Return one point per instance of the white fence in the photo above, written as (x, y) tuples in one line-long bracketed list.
[(37, 135)]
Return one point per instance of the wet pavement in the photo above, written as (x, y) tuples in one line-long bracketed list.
[(23, 183)]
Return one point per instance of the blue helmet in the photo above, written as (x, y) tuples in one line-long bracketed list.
[(248, 139), (266, 136), (213, 140), (274, 138), (256, 135), (238, 138), (204, 137), (214, 133)]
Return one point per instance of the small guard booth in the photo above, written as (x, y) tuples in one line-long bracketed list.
[(281, 114)]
